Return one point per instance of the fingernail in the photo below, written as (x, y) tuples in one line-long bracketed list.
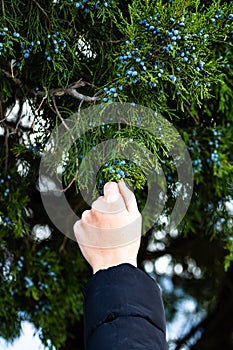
[(111, 186)]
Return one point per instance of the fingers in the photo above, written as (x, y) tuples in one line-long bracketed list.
[(112, 201), (116, 199), (128, 197), (111, 192), (86, 215)]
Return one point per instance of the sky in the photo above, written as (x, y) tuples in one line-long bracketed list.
[(27, 340)]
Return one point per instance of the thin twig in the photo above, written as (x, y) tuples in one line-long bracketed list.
[(40, 105), (41, 8), (62, 120), (79, 111), (12, 71), (191, 114), (42, 101), (70, 184), (3, 8), (62, 247)]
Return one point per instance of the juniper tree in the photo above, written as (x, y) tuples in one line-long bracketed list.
[(58, 58)]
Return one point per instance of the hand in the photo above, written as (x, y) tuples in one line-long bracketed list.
[(109, 234)]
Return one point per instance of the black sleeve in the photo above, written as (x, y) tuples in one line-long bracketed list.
[(123, 310)]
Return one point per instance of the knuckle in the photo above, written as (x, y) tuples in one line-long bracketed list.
[(86, 215)]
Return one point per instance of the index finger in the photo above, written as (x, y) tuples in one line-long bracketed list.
[(128, 197)]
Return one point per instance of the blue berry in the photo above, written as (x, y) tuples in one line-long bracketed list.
[(172, 77)]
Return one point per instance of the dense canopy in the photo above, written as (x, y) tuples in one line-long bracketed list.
[(60, 57)]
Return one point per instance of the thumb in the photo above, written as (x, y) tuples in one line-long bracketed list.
[(112, 201)]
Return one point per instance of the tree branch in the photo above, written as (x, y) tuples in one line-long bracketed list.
[(9, 75), (70, 90)]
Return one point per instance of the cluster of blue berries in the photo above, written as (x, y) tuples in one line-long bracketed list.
[(57, 43), (88, 6), (35, 148), (195, 149), (111, 93), (3, 183), (197, 165), (175, 41), (134, 56), (117, 168), (28, 48), (119, 165), (214, 156), (5, 41), (7, 221)]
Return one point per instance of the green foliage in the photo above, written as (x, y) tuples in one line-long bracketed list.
[(169, 52), (56, 59), (12, 221)]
